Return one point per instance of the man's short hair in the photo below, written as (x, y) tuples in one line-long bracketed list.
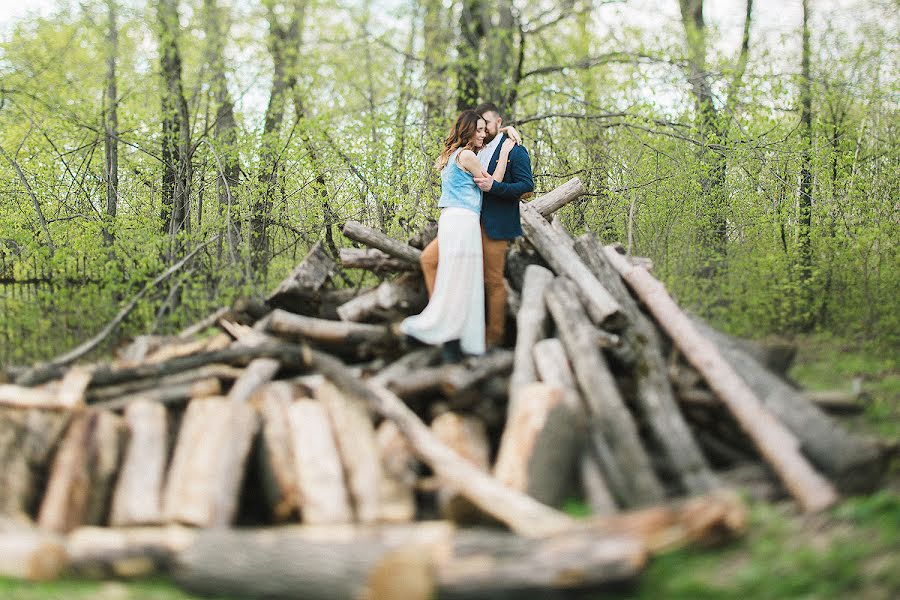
[(488, 107)]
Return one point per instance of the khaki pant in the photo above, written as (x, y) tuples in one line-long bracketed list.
[(494, 254)]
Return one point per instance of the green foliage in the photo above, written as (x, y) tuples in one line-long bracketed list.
[(367, 128)]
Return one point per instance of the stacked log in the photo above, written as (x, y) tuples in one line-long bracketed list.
[(308, 410)]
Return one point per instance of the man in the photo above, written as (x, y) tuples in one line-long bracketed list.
[(499, 220)]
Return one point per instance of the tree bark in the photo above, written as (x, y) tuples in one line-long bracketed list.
[(358, 448), (111, 121), (398, 501), (137, 499), (127, 552), (390, 301), (176, 129), (32, 554), (258, 373), (207, 468), (531, 326), (775, 442), (323, 493), (354, 338)]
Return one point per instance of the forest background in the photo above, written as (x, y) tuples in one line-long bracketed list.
[(750, 148)]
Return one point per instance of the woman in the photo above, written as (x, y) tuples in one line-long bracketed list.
[(455, 312)]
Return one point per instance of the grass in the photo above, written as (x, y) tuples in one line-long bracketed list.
[(850, 551)]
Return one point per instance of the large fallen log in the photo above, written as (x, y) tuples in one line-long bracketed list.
[(380, 241), (137, 499), (653, 391), (606, 407), (149, 385), (275, 564), (775, 442), (124, 552), (600, 305), (853, 462), (524, 515), (465, 564)]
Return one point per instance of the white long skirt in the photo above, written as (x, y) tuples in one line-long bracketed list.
[(456, 307)]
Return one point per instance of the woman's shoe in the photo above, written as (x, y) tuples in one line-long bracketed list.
[(451, 352)]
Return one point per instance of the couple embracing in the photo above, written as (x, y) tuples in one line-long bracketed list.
[(484, 173)]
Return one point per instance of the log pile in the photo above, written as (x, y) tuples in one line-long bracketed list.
[(391, 474)]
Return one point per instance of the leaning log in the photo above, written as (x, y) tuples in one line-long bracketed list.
[(78, 487), (606, 407), (300, 288), (398, 476), (207, 469), (276, 452), (137, 499), (523, 514), (775, 442), (601, 306), (356, 443), (356, 338), (27, 441), (467, 436), (320, 475), (853, 462), (552, 201), (653, 391), (373, 260), (380, 241), (531, 324), (540, 443)]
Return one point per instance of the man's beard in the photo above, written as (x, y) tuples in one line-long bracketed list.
[(488, 138)]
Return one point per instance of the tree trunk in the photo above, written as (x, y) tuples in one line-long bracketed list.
[(301, 288), (804, 312), (467, 436), (111, 121), (176, 130), (468, 54), (127, 552), (398, 501), (390, 301)]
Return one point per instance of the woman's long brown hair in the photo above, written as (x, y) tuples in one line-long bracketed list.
[(461, 136)]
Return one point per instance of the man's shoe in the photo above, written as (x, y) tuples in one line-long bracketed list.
[(451, 352)]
